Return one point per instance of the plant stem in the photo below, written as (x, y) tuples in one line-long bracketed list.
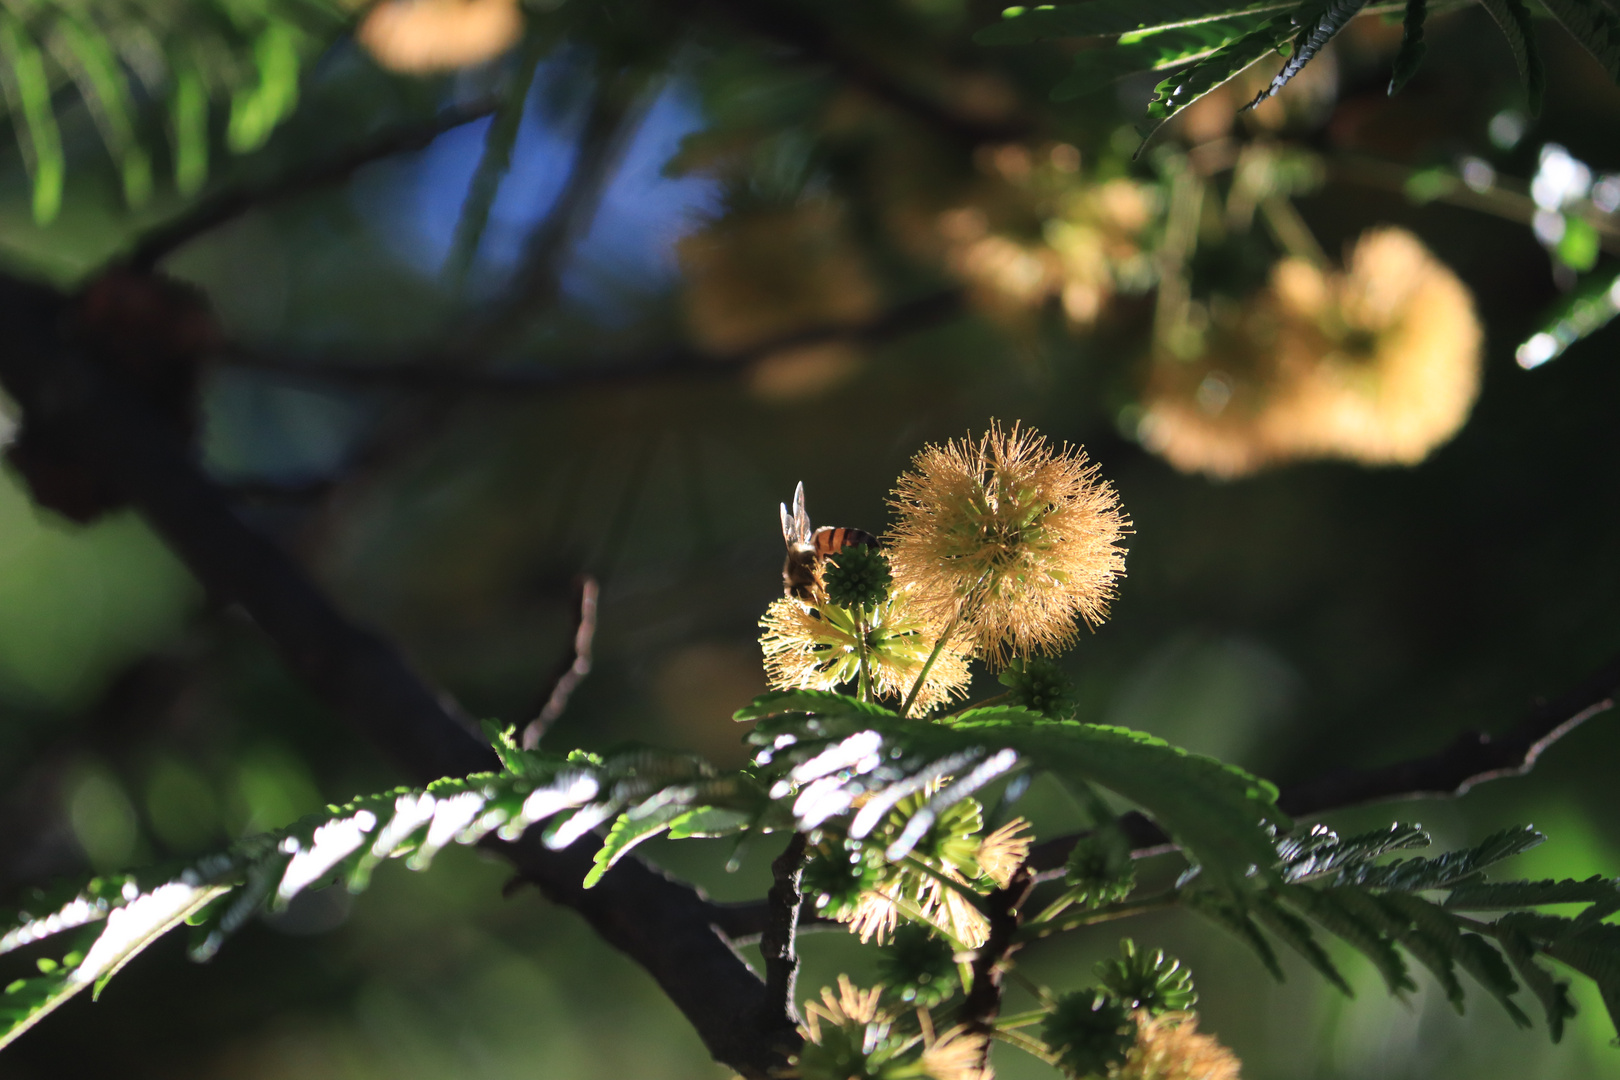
[(1103, 914), (928, 665), (866, 668)]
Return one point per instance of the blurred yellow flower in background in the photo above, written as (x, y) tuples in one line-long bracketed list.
[(421, 36), (1378, 364)]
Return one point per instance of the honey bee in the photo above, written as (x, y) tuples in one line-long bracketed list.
[(806, 547)]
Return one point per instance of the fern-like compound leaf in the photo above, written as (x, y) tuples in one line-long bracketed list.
[(1595, 25), (1110, 18), (1316, 29), (1191, 83), (1097, 68), (1513, 18), (1414, 875)]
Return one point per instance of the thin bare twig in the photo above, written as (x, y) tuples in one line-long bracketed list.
[(578, 666)]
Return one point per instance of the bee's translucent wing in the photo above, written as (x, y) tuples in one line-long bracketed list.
[(801, 520), (787, 525)]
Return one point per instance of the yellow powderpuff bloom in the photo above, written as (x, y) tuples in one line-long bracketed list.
[(1169, 1047), (1009, 540), (815, 645)]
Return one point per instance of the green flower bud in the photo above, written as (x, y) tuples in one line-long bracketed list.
[(1038, 684), (1100, 868), (1151, 981), (837, 875), (918, 967), (1089, 1032), (857, 577)]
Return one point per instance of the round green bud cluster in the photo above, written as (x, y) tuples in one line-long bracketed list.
[(837, 876), (1089, 1031), (1100, 868), (918, 967), (1144, 980), (857, 577), (1037, 684)]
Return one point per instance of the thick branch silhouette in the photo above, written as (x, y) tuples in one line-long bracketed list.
[(666, 926)]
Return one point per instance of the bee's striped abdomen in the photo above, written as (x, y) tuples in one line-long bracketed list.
[(831, 539)]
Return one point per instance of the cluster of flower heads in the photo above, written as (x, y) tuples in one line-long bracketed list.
[(854, 884), (851, 1035), (857, 1034), (1089, 241), (1002, 547), (1378, 364)]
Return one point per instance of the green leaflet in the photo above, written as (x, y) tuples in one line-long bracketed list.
[(1412, 47), (1594, 951), (1430, 935), (1317, 28), (1356, 917), (815, 702), (1601, 892), (1590, 306), (1513, 18), (1233, 917), (102, 84), (253, 54), (1409, 875), (1480, 959), (1322, 851), (29, 91), (1107, 18), (1100, 67), (1553, 994), (1296, 933), (627, 832), (1189, 84), (129, 929), (1595, 25)]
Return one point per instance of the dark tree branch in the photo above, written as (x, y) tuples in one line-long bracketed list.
[(992, 959), (666, 926), (227, 204), (434, 375), (781, 1011), (577, 667)]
